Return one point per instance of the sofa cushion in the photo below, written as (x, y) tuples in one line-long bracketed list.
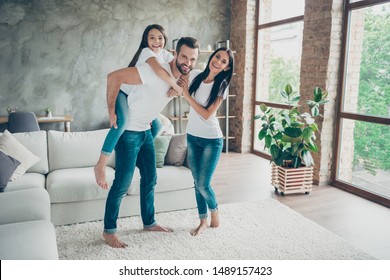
[(11, 147), (7, 167), (33, 240), (27, 181), (24, 205), (161, 144), (177, 150), (166, 126), (76, 149), (169, 178), (35, 142), (76, 184)]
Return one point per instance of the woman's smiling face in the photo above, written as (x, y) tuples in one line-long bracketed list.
[(219, 62)]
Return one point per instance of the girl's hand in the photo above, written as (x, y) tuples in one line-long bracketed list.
[(178, 90), (113, 119), (172, 93)]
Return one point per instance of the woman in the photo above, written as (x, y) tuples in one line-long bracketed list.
[(204, 135)]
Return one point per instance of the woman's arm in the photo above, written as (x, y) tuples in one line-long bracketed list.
[(163, 74), (202, 111), (127, 75)]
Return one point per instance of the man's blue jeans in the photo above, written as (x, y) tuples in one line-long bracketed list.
[(203, 155), (133, 148)]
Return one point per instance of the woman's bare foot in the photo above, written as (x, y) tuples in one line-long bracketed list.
[(100, 176), (113, 240), (159, 228), (202, 226), (214, 219)]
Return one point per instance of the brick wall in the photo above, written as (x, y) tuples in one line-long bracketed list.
[(320, 67), (242, 36)]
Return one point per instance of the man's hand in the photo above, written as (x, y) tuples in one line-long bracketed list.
[(113, 119)]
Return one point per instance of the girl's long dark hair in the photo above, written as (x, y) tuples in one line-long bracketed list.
[(144, 41), (221, 81)]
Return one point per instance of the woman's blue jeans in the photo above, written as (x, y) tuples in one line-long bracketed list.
[(203, 155), (134, 148), (122, 112)]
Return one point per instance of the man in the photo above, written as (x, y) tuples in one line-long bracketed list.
[(136, 147)]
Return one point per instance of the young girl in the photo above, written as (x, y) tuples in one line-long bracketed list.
[(204, 135), (151, 51)]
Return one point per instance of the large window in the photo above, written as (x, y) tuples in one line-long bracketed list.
[(279, 48), (363, 150)]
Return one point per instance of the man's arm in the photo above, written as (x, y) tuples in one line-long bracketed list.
[(128, 76)]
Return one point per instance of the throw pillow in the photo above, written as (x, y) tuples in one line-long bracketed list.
[(177, 150), (161, 144), (11, 147), (7, 168)]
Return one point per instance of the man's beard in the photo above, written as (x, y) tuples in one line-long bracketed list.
[(183, 72)]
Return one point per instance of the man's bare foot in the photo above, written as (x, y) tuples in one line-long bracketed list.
[(159, 228), (113, 240), (202, 226), (214, 219), (100, 176)]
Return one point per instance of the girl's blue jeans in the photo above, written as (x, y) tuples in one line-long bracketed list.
[(203, 155), (122, 112)]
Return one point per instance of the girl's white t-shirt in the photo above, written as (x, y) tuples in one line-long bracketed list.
[(163, 56), (197, 125)]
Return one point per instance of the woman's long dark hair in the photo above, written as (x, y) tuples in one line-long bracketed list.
[(144, 41), (221, 81)]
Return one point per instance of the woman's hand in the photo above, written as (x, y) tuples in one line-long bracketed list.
[(183, 83)]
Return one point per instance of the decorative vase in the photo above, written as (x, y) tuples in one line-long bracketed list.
[(291, 180), (49, 114)]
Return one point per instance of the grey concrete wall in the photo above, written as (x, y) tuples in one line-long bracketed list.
[(57, 53)]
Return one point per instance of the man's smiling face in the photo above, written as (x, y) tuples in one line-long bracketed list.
[(186, 59)]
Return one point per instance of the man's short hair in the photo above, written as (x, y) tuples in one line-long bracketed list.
[(189, 42)]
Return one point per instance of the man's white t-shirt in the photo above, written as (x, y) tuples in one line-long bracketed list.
[(163, 56), (197, 125), (150, 98)]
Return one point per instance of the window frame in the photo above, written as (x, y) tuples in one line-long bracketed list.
[(341, 115)]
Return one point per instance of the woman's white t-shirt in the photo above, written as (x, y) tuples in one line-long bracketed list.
[(163, 56), (197, 125)]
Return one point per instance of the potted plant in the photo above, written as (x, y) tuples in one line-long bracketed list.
[(48, 112), (11, 109), (289, 135)]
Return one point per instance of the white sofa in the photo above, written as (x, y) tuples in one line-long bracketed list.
[(66, 172)]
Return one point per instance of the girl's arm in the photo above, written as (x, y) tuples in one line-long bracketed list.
[(163, 74), (202, 111)]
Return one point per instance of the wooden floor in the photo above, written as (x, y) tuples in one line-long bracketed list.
[(366, 225)]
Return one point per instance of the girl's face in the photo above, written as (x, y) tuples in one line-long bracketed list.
[(219, 62), (156, 40)]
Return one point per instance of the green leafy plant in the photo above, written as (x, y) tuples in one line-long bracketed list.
[(11, 109), (289, 134)]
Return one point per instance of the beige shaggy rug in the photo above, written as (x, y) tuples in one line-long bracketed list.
[(261, 230)]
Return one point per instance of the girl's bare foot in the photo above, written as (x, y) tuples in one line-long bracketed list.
[(202, 226), (113, 240), (159, 228), (214, 219), (100, 175)]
